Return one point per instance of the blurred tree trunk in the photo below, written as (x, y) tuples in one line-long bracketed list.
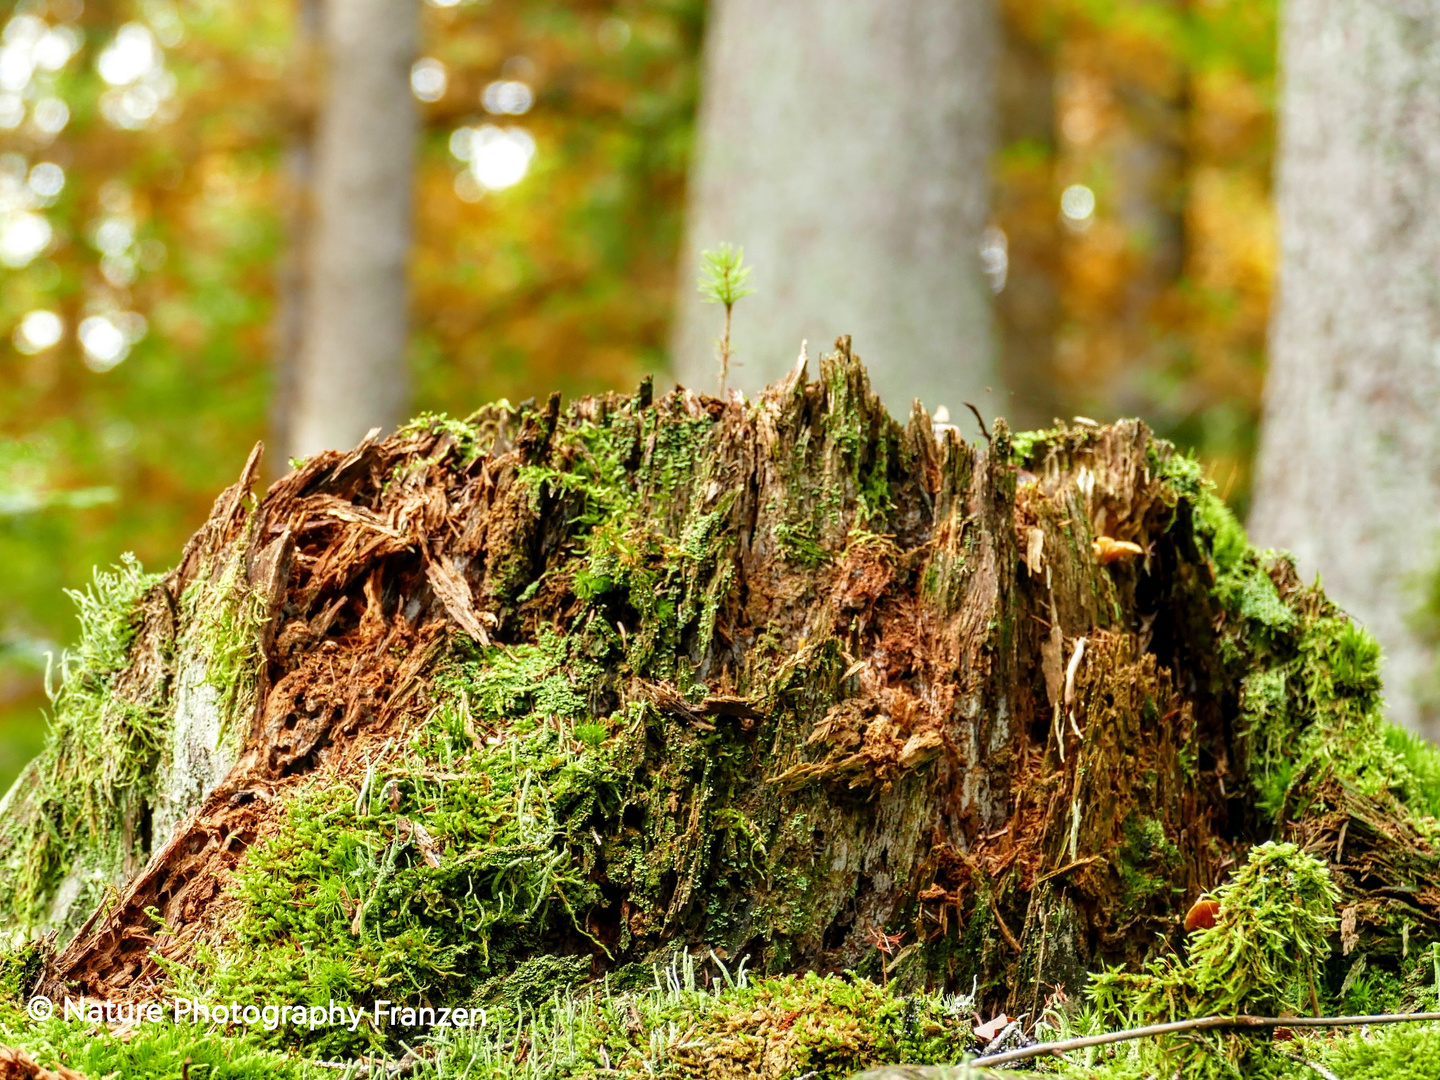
[(1123, 112), (288, 326), (1149, 163), (1349, 463), (847, 149), (1027, 305), (351, 372)]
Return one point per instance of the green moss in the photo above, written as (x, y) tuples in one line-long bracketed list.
[(1149, 862), (553, 677), (466, 435), (1420, 758), (1317, 705), (765, 1029), (1403, 1052), (1027, 447), (534, 983), (67, 811), (1250, 593), (1264, 955), (1367, 990), (1215, 521), (149, 1051), (798, 545), (651, 564), (1309, 676), (20, 968), (454, 855), (420, 885)]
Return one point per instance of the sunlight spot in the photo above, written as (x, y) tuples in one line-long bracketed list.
[(130, 57), (507, 97), (51, 115), (12, 111), (1077, 206), (47, 180), (22, 238), (428, 80), (994, 257), (53, 51), (613, 35), (498, 157), (38, 331), (16, 67), (107, 339)]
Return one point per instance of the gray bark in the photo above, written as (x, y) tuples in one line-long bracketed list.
[(847, 147), (352, 362), (1349, 466)]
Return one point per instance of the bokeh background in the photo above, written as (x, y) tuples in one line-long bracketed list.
[(148, 209)]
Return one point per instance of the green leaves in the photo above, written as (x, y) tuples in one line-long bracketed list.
[(723, 275)]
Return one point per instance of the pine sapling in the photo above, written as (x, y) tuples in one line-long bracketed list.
[(723, 278)]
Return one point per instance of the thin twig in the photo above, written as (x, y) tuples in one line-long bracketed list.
[(1321, 1069), (1000, 922), (1068, 866), (1204, 1023), (983, 430)]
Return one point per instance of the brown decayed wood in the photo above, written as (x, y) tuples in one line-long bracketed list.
[(18, 1065)]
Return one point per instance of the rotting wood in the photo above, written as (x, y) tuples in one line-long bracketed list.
[(943, 712)]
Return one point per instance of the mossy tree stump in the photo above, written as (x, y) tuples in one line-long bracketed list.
[(551, 694)]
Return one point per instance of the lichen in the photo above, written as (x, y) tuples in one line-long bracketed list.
[(211, 697)]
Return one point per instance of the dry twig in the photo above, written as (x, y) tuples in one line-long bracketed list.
[(1203, 1023)]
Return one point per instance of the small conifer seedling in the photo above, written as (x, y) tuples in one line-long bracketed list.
[(723, 277)]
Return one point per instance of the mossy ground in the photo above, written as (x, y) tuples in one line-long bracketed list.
[(686, 1023)]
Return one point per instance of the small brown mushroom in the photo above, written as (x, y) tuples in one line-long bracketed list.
[(1202, 914)]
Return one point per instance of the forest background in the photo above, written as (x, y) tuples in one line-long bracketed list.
[(148, 206)]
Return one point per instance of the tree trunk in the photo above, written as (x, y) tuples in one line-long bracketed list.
[(352, 362), (1027, 307), (788, 682), (854, 170), (1349, 446), (288, 325)]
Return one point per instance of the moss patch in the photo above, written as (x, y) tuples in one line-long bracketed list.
[(77, 805)]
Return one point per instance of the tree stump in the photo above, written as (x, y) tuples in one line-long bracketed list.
[(783, 683)]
